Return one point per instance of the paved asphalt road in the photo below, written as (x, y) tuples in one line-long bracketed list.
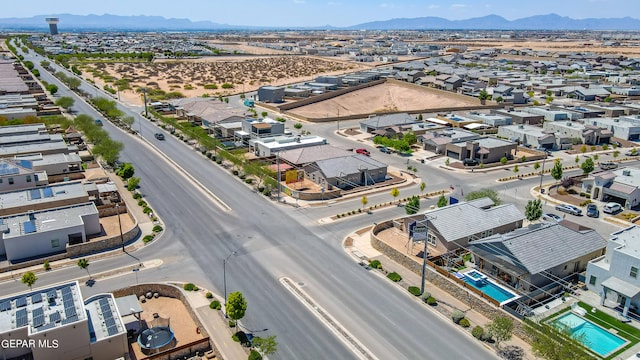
[(273, 241)]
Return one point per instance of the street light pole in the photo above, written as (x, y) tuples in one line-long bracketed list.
[(542, 173), (224, 280), (120, 226), (424, 252)]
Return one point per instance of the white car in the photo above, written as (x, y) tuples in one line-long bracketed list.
[(551, 217), (612, 208)]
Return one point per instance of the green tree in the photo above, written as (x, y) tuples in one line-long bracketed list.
[(483, 96), (490, 193), (364, 200), (125, 171), (442, 201), (297, 126), (499, 99), (501, 329), (605, 147), (410, 138), (556, 171), (128, 120), (65, 102), (45, 64), (577, 159), (617, 153), (266, 346), (587, 166), (73, 83), (84, 265), (583, 149), (413, 205), (236, 306), (595, 157), (132, 183), (516, 169), (503, 160), (533, 210), (264, 114), (536, 165), (52, 88), (395, 193), (423, 185), (551, 344), (29, 278)]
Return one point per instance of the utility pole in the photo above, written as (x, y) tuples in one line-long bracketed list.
[(224, 280), (542, 173), (424, 251), (278, 179), (120, 226), (144, 93)]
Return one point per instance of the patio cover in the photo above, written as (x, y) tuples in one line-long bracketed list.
[(621, 287), (128, 305)]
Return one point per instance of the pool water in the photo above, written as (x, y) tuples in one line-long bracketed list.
[(492, 290), (595, 338)]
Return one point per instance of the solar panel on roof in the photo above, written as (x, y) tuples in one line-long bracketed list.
[(51, 294), (36, 298), (21, 301), (105, 308), (38, 321), (67, 297), (70, 311), (21, 318), (47, 192), (66, 290), (35, 194), (6, 169), (112, 330), (47, 326), (55, 317), (109, 322), (29, 226), (107, 315), (5, 306), (37, 312), (68, 303), (70, 319)]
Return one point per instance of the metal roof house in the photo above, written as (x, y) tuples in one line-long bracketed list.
[(346, 172), (55, 323), (543, 255), (378, 122)]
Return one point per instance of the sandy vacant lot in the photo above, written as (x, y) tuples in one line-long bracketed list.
[(189, 77), (586, 45), (385, 97)]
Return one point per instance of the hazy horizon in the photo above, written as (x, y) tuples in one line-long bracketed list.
[(309, 13)]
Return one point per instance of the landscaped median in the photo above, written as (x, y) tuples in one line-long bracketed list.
[(405, 201)]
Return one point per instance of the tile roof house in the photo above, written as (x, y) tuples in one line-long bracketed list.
[(346, 172), (543, 255)]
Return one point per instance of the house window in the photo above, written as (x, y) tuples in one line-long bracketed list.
[(592, 280), (55, 243), (10, 181), (634, 272), (28, 177), (431, 240)]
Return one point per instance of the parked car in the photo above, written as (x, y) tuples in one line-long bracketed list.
[(616, 143), (551, 217), (611, 208), (469, 162), (592, 211), (608, 165), (632, 152), (98, 122), (385, 150), (363, 152), (569, 209), (159, 136)]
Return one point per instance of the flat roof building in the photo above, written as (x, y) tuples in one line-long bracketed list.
[(46, 197)]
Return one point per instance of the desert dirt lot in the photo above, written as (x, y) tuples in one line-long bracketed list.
[(385, 97), (189, 77), (594, 46)]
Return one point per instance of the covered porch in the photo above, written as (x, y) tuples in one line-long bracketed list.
[(625, 292)]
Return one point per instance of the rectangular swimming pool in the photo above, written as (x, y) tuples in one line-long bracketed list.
[(492, 289), (595, 338)]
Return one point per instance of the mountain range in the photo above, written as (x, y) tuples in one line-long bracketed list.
[(72, 23)]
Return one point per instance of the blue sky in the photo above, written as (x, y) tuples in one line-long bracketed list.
[(322, 12)]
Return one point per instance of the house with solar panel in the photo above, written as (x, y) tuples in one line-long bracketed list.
[(44, 232), (55, 323), (19, 174)]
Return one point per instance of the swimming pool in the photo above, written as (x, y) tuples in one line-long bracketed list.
[(595, 338), (492, 289)]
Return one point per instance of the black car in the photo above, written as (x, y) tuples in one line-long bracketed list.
[(159, 136), (469, 162)]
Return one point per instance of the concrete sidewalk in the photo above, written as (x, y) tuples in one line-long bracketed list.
[(361, 249), (215, 325)]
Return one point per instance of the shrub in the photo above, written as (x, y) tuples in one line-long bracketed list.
[(188, 287), (477, 332), (215, 305), (456, 316), (414, 290), (464, 322), (394, 276), (142, 203), (375, 264), (254, 355), (248, 180), (157, 228), (432, 301), (425, 296), (46, 265), (208, 295), (232, 323), (147, 238), (137, 196)]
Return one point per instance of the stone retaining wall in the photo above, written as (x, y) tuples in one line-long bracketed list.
[(431, 275)]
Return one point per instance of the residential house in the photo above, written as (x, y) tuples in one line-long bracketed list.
[(541, 256), (346, 172), (47, 197), (614, 275), (493, 120), (377, 122), (270, 146), (260, 128), (485, 150), (623, 127), (620, 185), (520, 117), (529, 135), (454, 226), (591, 94), (271, 94), (301, 156), (18, 175), (587, 134), (436, 141)]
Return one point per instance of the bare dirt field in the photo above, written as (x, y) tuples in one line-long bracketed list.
[(189, 77), (386, 97), (586, 45)]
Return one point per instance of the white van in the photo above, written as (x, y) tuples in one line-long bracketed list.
[(612, 208)]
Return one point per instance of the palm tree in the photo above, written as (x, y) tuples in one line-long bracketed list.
[(84, 264)]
